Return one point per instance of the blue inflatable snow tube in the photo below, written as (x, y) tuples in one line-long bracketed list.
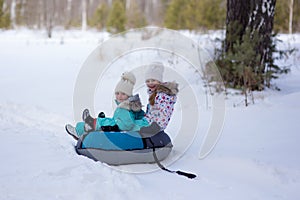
[(119, 148), (113, 140)]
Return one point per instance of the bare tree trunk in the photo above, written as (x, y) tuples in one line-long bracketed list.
[(68, 14), (128, 2), (261, 20), (69, 8), (20, 12), (13, 14), (159, 11), (4, 6), (42, 15), (49, 12), (291, 17), (84, 15), (109, 3), (238, 13)]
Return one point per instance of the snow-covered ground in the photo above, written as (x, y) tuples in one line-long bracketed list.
[(255, 158)]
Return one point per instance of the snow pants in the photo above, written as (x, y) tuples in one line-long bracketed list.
[(100, 122)]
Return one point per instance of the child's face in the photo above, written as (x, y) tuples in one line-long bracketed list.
[(121, 96), (152, 84)]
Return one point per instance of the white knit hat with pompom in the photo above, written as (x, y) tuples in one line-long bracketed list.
[(126, 83)]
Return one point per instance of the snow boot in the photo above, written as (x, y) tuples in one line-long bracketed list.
[(71, 131), (90, 123)]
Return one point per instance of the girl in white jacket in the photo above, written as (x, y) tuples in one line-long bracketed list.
[(162, 96)]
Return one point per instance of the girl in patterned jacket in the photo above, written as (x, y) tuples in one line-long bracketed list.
[(162, 96)]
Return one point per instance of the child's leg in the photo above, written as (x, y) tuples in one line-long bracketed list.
[(80, 128)]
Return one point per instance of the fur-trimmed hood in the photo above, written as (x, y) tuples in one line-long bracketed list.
[(134, 106), (169, 88), (125, 105)]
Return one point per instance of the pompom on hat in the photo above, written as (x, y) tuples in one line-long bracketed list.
[(155, 71), (126, 83)]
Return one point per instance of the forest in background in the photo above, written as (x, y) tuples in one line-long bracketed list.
[(118, 15), (246, 59)]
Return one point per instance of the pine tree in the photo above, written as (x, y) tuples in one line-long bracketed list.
[(281, 19), (247, 59), (117, 17), (100, 17), (211, 14), (296, 17), (236, 66), (174, 18), (244, 23), (4, 16), (194, 14), (135, 18)]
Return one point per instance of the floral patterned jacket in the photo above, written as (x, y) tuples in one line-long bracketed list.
[(163, 107)]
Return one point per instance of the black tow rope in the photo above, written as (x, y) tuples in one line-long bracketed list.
[(188, 175)]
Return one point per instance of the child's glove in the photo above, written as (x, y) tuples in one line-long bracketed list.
[(101, 115), (114, 128)]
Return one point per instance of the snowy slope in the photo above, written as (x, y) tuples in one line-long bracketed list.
[(256, 157)]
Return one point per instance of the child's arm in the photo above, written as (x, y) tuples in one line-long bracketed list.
[(125, 121)]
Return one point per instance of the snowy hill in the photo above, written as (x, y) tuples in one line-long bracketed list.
[(255, 158)]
